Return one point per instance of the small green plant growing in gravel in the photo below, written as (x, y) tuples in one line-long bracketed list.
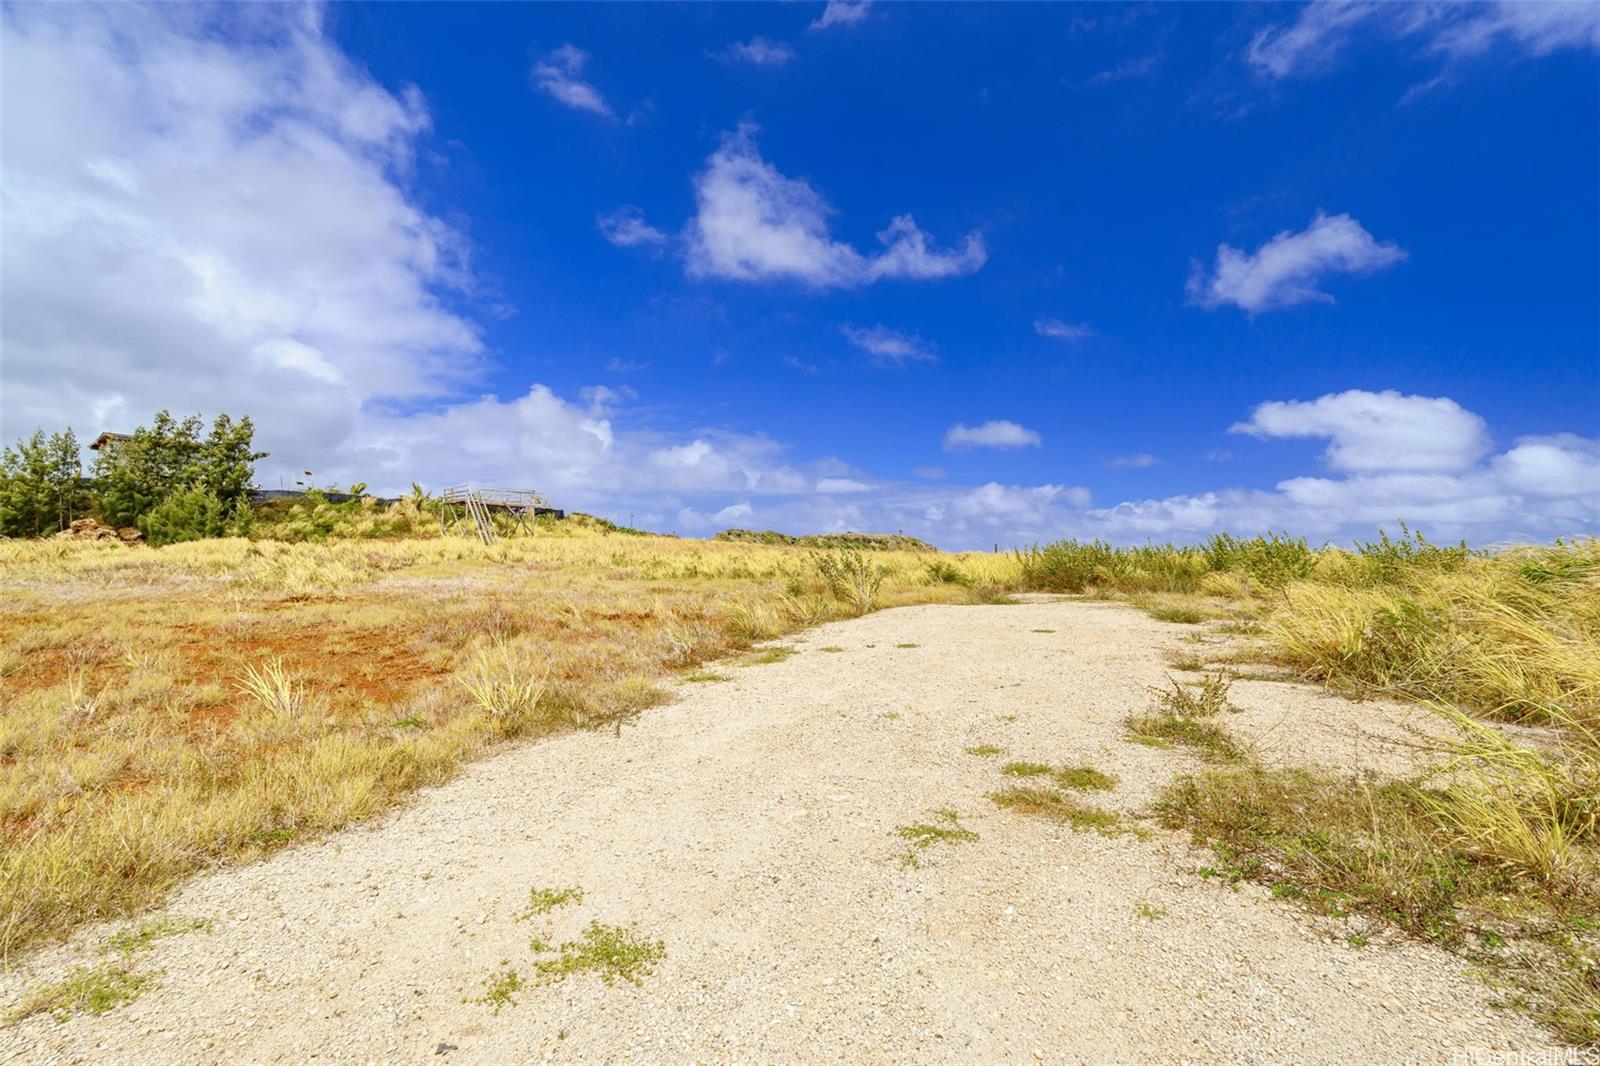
[(908, 645), (1083, 779), (612, 952), (84, 990), (1043, 631), (703, 676), (1058, 806), (945, 828), (1025, 769), (500, 990), (851, 579), (986, 750), (763, 656), (1150, 912), (545, 900), (138, 939), (832, 648)]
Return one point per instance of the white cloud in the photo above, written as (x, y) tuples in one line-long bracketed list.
[(888, 347), (1314, 42), (196, 223), (1139, 461), (842, 13), (1560, 465), (842, 484), (1058, 330), (1378, 430), (1287, 269), (560, 75), (754, 224), (625, 227), (757, 51), (994, 434)]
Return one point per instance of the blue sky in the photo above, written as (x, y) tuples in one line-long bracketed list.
[(982, 273)]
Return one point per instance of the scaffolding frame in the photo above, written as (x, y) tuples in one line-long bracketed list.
[(471, 509)]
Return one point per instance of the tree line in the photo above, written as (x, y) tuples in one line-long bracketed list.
[(173, 480)]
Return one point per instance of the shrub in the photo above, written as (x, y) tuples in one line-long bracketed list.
[(192, 514), (851, 579)]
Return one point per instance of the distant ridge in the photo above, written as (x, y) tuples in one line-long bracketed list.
[(863, 541)]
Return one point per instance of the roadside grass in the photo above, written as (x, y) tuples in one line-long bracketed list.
[(611, 952), (163, 710), (1344, 847), (986, 750), (1150, 912), (699, 677), (945, 828)]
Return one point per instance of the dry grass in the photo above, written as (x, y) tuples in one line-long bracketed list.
[(163, 710)]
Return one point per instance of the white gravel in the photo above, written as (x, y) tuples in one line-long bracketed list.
[(749, 826)]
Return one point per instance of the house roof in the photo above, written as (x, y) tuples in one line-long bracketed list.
[(107, 438)]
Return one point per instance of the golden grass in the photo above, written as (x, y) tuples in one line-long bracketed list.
[(163, 710)]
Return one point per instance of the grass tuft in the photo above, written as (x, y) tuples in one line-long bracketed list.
[(946, 828), (84, 990), (1059, 807)]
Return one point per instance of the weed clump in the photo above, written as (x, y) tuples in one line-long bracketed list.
[(1185, 717), (946, 828), (1060, 807), (612, 952), (851, 579), (84, 990)]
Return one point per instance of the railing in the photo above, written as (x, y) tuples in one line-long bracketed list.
[(459, 494)]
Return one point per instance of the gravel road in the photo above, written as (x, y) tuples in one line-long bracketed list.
[(750, 828)]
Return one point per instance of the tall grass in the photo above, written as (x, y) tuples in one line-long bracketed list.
[(162, 710)]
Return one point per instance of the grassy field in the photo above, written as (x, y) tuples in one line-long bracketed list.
[(162, 710)]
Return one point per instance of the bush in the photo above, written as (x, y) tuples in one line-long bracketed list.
[(851, 579), (193, 514)]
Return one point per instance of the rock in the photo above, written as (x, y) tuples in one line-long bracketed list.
[(92, 529)]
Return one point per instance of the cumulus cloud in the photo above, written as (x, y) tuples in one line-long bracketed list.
[(888, 347), (197, 223), (994, 434), (1417, 458), (754, 224), (1058, 330), (625, 227), (560, 74), (1378, 430), (1321, 33), (842, 13), (1288, 268), (757, 51)]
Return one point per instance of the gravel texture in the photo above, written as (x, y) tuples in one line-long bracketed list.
[(750, 826)]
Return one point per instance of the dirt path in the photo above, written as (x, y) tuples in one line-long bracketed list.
[(750, 828)]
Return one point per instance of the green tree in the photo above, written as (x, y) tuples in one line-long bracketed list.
[(169, 457), (193, 513), (41, 488)]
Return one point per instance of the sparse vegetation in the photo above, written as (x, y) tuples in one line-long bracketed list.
[(139, 938), (544, 900), (1382, 851), (84, 990), (945, 828), (611, 952), (985, 750), (1185, 715), (500, 990), (1060, 807)]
